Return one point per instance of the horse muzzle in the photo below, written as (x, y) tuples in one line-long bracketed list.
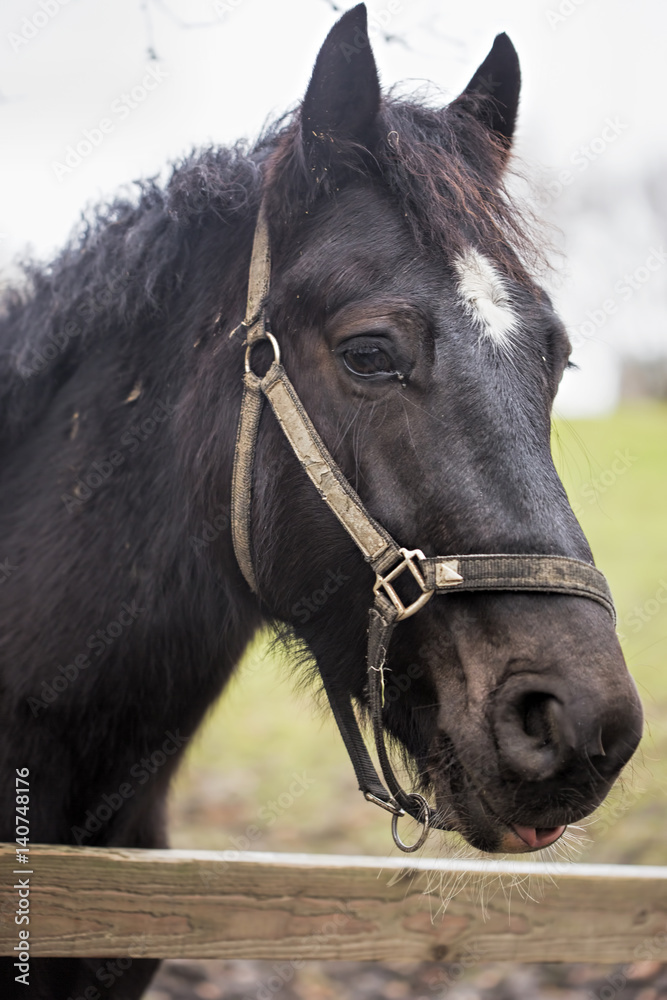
[(539, 762)]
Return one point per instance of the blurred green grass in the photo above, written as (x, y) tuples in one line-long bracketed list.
[(268, 770)]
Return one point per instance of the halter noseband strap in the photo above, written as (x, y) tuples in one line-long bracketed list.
[(437, 575)]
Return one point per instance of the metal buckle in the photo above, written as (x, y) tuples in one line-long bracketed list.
[(384, 583)]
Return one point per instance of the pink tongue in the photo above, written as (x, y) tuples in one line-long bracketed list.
[(538, 838)]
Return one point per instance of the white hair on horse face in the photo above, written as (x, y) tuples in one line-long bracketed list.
[(485, 297)]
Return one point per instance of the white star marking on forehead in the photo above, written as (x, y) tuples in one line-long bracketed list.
[(485, 297)]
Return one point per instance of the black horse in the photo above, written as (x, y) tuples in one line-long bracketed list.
[(428, 359)]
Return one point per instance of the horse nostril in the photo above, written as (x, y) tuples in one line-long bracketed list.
[(615, 742), (540, 717), (533, 734), (596, 747), (540, 734)]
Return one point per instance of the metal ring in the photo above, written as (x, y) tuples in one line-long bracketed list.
[(426, 822), (274, 344)]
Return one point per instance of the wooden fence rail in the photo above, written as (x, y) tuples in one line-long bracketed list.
[(227, 904)]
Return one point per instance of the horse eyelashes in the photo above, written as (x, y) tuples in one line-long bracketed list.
[(367, 362)]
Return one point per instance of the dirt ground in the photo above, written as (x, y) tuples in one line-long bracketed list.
[(218, 980)]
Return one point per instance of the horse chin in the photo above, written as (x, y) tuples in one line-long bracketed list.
[(467, 812), (486, 832)]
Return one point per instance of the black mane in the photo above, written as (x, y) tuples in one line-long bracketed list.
[(122, 265), (126, 261)]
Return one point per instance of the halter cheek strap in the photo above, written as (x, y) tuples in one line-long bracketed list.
[(436, 575)]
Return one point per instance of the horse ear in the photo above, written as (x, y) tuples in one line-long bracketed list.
[(498, 82), (343, 96)]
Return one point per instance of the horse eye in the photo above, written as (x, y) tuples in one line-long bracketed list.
[(367, 361)]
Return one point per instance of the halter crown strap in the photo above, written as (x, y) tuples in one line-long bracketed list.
[(259, 279), (434, 575)]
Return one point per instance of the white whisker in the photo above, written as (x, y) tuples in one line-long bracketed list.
[(483, 886)]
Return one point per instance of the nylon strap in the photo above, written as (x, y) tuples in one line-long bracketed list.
[(348, 727), (382, 618)]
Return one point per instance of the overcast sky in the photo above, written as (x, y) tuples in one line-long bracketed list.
[(65, 68)]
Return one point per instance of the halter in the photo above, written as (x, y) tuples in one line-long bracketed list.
[(437, 575)]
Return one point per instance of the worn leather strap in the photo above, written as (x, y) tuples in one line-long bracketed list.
[(554, 574), (376, 544), (259, 279), (440, 574), (244, 461)]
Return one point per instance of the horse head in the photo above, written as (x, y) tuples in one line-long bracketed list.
[(428, 359)]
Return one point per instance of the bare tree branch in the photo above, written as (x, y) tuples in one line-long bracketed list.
[(179, 20)]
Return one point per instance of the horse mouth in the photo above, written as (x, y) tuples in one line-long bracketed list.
[(487, 832), (522, 839), (469, 813)]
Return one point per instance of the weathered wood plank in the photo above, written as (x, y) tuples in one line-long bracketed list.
[(201, 904)]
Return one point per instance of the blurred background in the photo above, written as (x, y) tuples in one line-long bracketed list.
[(169, 75)]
